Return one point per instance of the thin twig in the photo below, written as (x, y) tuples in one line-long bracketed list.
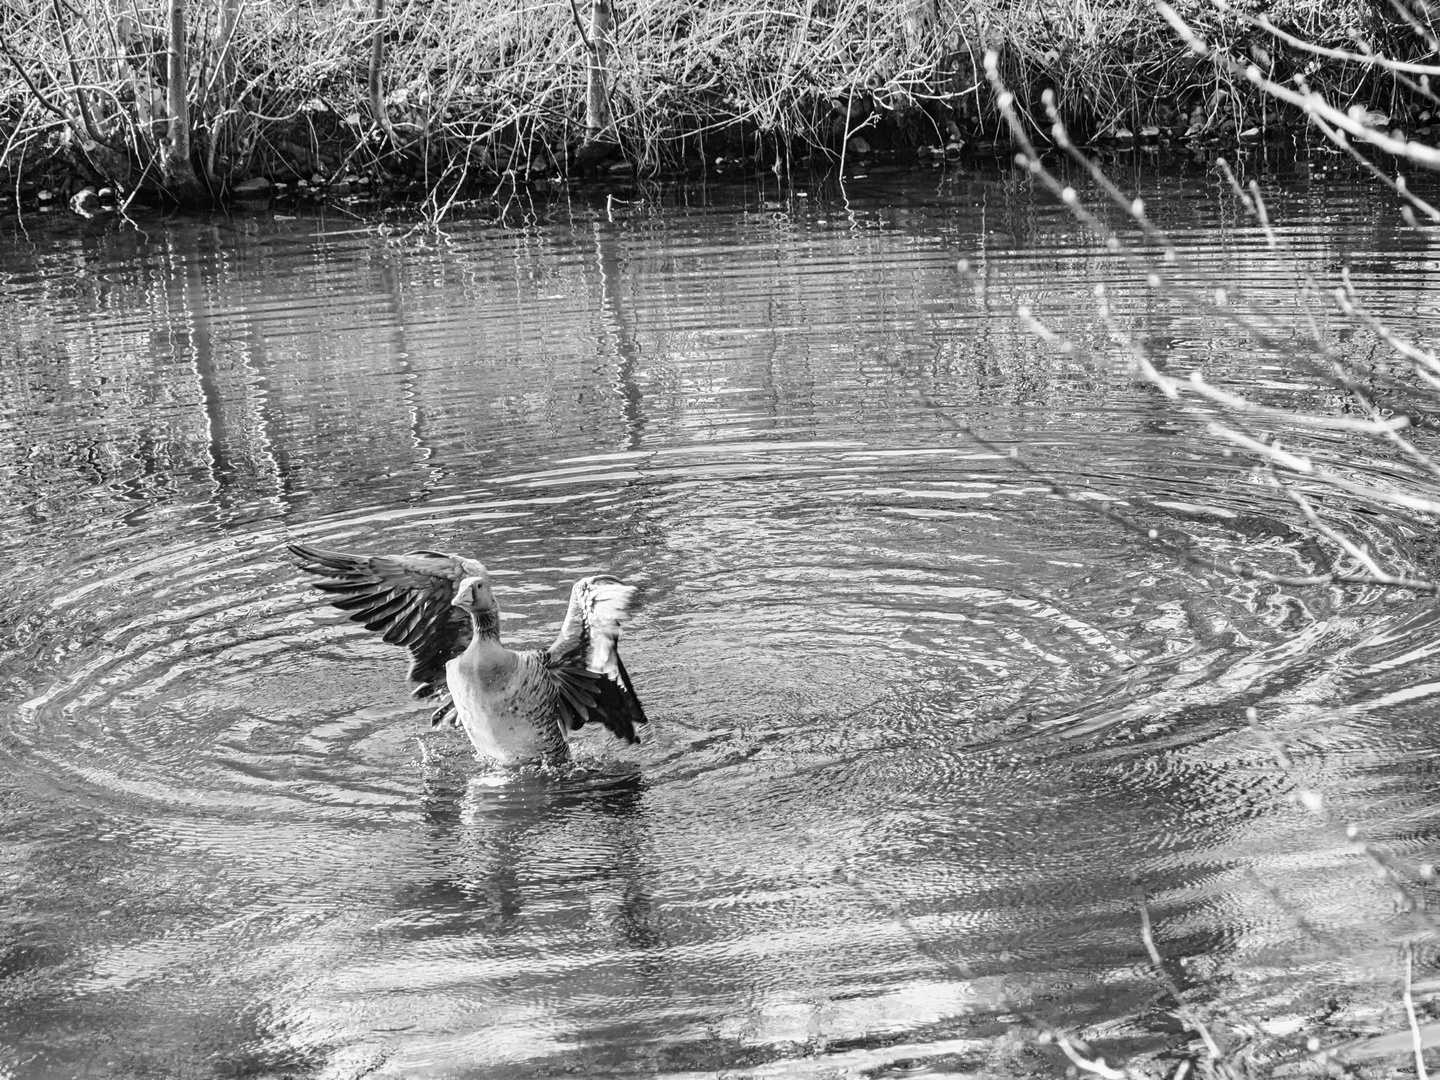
[(1419, 1041), (1187, 1014)]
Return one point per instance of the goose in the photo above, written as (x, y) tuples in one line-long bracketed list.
[(517, 707)]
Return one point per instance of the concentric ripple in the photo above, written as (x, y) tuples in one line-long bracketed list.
[(919, 726)]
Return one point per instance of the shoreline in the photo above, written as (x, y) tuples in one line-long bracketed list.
[(72, 191), (435, 107)]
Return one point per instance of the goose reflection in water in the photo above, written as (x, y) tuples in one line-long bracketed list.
[(457, 969), (504, 851)]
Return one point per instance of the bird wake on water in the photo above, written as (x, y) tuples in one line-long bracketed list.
[(517, 707)]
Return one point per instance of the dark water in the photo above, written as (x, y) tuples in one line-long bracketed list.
[(919, 730)]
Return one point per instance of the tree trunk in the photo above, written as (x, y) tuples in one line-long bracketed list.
[(176, 167), (377, 61), (597, 98), (224, 79), (229, 18)]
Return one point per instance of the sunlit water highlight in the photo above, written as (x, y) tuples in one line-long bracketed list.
[(918, 728)]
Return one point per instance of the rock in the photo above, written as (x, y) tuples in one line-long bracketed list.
[(85, 202), (590, 158), (858, 145), (297, 157), (257, 187)]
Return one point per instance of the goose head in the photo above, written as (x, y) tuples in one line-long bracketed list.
[(474, 595)]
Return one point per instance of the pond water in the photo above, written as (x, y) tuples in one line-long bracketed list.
[(921, 733)]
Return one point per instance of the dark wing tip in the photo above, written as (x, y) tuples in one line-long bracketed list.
[(619, 709), (322, 561), (406, 600), (590, 696), (300, 552)]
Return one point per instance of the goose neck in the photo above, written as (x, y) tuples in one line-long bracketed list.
[(486, 626)]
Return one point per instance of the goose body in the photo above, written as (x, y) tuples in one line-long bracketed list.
[(515, 706)]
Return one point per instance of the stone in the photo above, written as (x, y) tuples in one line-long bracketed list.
[(253, 188), (85, 202)]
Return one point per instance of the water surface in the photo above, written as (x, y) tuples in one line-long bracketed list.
[(921, 734)]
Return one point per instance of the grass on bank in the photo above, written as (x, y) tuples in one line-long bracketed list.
[(439, 91)]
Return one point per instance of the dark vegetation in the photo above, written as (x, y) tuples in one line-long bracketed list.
[(188, 100)]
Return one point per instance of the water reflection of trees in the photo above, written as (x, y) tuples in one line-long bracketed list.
[(233, 358)]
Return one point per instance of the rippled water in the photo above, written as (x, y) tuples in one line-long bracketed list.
[(919, 730)]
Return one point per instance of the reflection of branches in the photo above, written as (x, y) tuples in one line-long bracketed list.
[(1391, 870), (1240, 413), (1427, 364), (1074, 1048), (1106, 510), (1237, 420), (1218, 1058), (1187, 1014), (1270, 452)]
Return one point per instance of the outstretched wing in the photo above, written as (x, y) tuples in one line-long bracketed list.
[(405, 597), (585, 658)]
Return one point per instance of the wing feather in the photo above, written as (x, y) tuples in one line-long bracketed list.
[(380, 610), (584, 659), (404, 597)]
